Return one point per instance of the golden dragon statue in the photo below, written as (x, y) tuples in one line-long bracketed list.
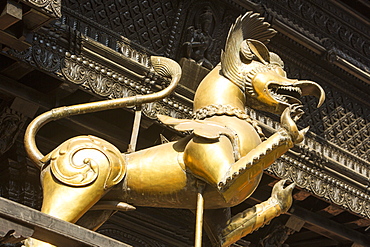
[(217, 166)]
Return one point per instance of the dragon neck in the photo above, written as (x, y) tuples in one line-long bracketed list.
[(215, 89)]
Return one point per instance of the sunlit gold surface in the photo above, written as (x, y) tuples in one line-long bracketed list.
[(218, 90), (225, 151)]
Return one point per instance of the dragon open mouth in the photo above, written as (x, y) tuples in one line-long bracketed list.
[(286, 94), (273, 92)]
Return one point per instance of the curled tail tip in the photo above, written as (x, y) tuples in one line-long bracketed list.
[(165, 66)]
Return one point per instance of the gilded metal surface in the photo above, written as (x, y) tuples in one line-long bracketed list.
[(78, 161), (225, 149), (219, 110), (257, 216)]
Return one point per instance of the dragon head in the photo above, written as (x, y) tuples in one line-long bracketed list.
[(247, 63), (266, 84)]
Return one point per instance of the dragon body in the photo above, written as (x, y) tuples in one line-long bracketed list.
[(225, 152)]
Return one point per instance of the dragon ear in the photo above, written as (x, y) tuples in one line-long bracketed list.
[(245, 51), (259, 50)]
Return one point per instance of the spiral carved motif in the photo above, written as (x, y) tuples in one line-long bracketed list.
[(99, 84), (355, 203), (76, 168), (40, 3), (47, 59), (80, 160), (74, 71)]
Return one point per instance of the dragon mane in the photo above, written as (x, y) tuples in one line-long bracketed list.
[(245, 40)]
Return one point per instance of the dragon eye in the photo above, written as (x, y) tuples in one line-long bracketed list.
[(280, 71)]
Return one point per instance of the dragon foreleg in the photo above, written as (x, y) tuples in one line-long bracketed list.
[(245, 171), (259, 215)]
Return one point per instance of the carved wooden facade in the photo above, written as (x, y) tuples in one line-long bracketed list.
[(100, 49)]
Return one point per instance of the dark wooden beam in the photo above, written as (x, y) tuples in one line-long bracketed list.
[(155, 224), (17, 70), (321, 242), (13, 88), (13, 41), (26, 221), (301, 195), (303, 235), (329, 227), (10, 13), (354, 224), (330, 211), (34, 19)]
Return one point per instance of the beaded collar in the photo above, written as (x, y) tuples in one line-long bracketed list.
[(219, 110)]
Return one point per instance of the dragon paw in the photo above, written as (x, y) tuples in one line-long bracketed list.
[(283, 195), (288, 120)]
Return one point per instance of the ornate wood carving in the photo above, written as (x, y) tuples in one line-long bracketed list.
[(19, 180), (100, 79), (323, 185), (51, 7), (107, 83), (312, 170), (219, 14), (199, 40), (343, 119), (326, 24), (11, 123), (147, 23)]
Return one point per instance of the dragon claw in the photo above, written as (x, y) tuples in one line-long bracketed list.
[(283, 195), (288, 118)]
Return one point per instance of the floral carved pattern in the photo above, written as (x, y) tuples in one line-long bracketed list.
[(46, 59), (322, 185), (46, 55), (99, 84), (74, 72)]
